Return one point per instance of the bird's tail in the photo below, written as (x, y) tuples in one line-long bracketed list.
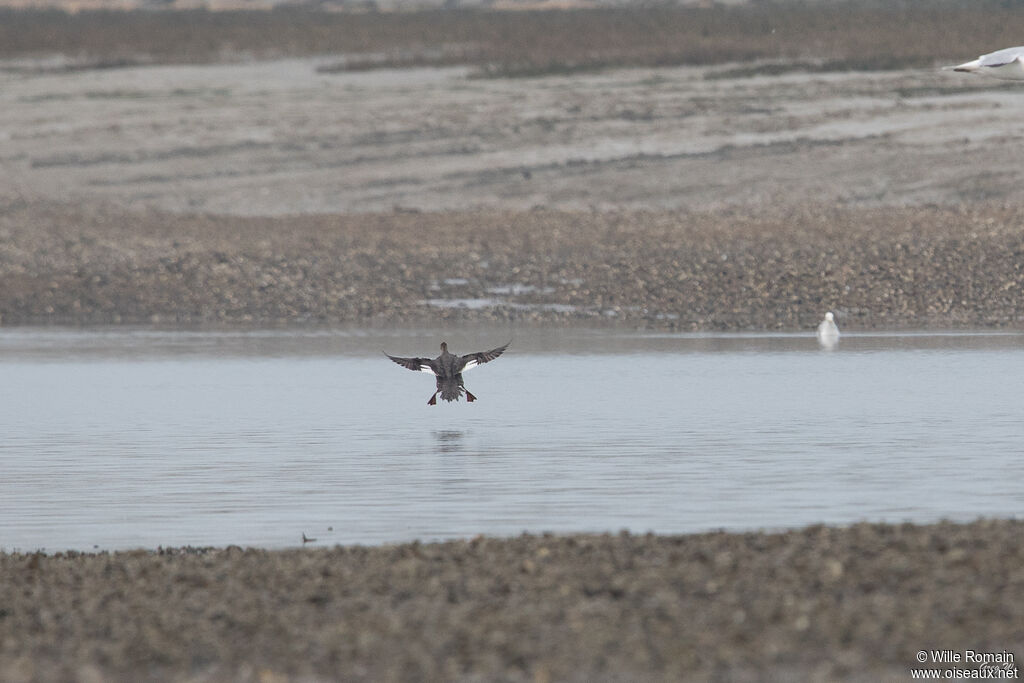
[(450, 390)]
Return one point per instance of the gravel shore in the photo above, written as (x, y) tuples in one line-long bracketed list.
[(818, 603), (921, 267)]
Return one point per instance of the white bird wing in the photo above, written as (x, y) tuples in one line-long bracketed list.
[(471, 360), (414, 364), (1001, 57)]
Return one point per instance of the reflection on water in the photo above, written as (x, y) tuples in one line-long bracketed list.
[(449, 440), (117, 438)]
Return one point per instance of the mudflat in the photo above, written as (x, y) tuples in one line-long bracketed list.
[(819, 603), (725, 196), (286, 137), (778, 268), (739, 186)]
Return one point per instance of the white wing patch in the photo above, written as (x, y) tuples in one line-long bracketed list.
[(426, 368), (1002, 57), (470, 364)]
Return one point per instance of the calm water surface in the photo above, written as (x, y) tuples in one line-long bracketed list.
[(119, 439)]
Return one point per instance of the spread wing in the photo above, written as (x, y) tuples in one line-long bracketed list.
[(1002, 57), (471, 360), (415, 364)]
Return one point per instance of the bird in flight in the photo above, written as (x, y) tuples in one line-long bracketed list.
[(448, 369), (1006, 64)]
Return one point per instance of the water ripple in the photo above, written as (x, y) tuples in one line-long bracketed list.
[(146, 438)]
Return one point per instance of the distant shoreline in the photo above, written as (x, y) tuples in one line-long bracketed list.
[(754, 196), (886, 268), (531, 38)]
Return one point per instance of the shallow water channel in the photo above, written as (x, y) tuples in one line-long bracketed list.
[(115, 439)]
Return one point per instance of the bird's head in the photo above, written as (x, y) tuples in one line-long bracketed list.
[(444, 347)]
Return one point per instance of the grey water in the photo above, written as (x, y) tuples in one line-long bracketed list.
[(116, 439)]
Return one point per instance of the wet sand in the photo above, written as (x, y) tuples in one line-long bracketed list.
[(284, 137), (819, 603)]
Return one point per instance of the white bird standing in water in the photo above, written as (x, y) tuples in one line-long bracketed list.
[(1006, 64), (828, 331)]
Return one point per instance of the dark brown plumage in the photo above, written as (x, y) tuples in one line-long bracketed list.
[(448, 369)]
